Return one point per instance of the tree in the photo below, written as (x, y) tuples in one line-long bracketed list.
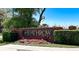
[(29, 12), (13, 12), (24, 18), (3, 16), (40, 17), (17, 22)]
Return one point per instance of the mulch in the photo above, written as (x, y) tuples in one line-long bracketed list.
[(35, 41)]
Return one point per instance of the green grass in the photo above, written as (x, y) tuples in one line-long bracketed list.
[(3, 43), (56, 45), (0, 33), (48, 45)]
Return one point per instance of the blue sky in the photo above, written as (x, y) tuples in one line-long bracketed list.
[(61, 16)]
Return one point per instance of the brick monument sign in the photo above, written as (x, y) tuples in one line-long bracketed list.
[(35, 33)]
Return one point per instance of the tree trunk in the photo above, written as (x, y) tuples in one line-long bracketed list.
[(40, 18)]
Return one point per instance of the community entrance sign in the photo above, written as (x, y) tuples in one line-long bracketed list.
[(35, 33)]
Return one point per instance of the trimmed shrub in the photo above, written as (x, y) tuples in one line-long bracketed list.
[(66, 37), (72, 27), (14, 36), (6, 36), (57, 28), (10, 36), (1, 41)]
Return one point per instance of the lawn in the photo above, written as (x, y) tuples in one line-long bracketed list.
[(47, 45), (3, 43), (56, 45)]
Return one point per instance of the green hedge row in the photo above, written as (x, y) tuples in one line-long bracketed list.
[(66, 36), (10, 36), (60, 36)]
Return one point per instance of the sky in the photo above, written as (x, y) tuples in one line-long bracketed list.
[(61, 16)]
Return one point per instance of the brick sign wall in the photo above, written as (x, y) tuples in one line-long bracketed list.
[(35, 33)]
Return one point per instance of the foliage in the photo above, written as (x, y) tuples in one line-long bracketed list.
[(57, 28), (1, 41), (17, 22), (23, 19), (6, 24), (28, 13), (6, 36), (10, 36), (66, 36), (72, 27)]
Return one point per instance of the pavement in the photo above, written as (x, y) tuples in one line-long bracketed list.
[(12, 47)]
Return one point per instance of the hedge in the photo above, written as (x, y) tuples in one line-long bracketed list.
[(10, 36), (66, 36)]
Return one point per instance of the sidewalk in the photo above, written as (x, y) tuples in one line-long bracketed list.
[(11, 47)]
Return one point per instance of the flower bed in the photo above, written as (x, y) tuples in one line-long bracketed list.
[(33, 41)]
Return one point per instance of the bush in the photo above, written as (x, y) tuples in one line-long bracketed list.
[(66, 36), (10, 36), (57, 28), (72, 27), (1, 41)]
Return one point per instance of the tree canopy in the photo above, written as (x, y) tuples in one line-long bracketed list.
[(23, 17)]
